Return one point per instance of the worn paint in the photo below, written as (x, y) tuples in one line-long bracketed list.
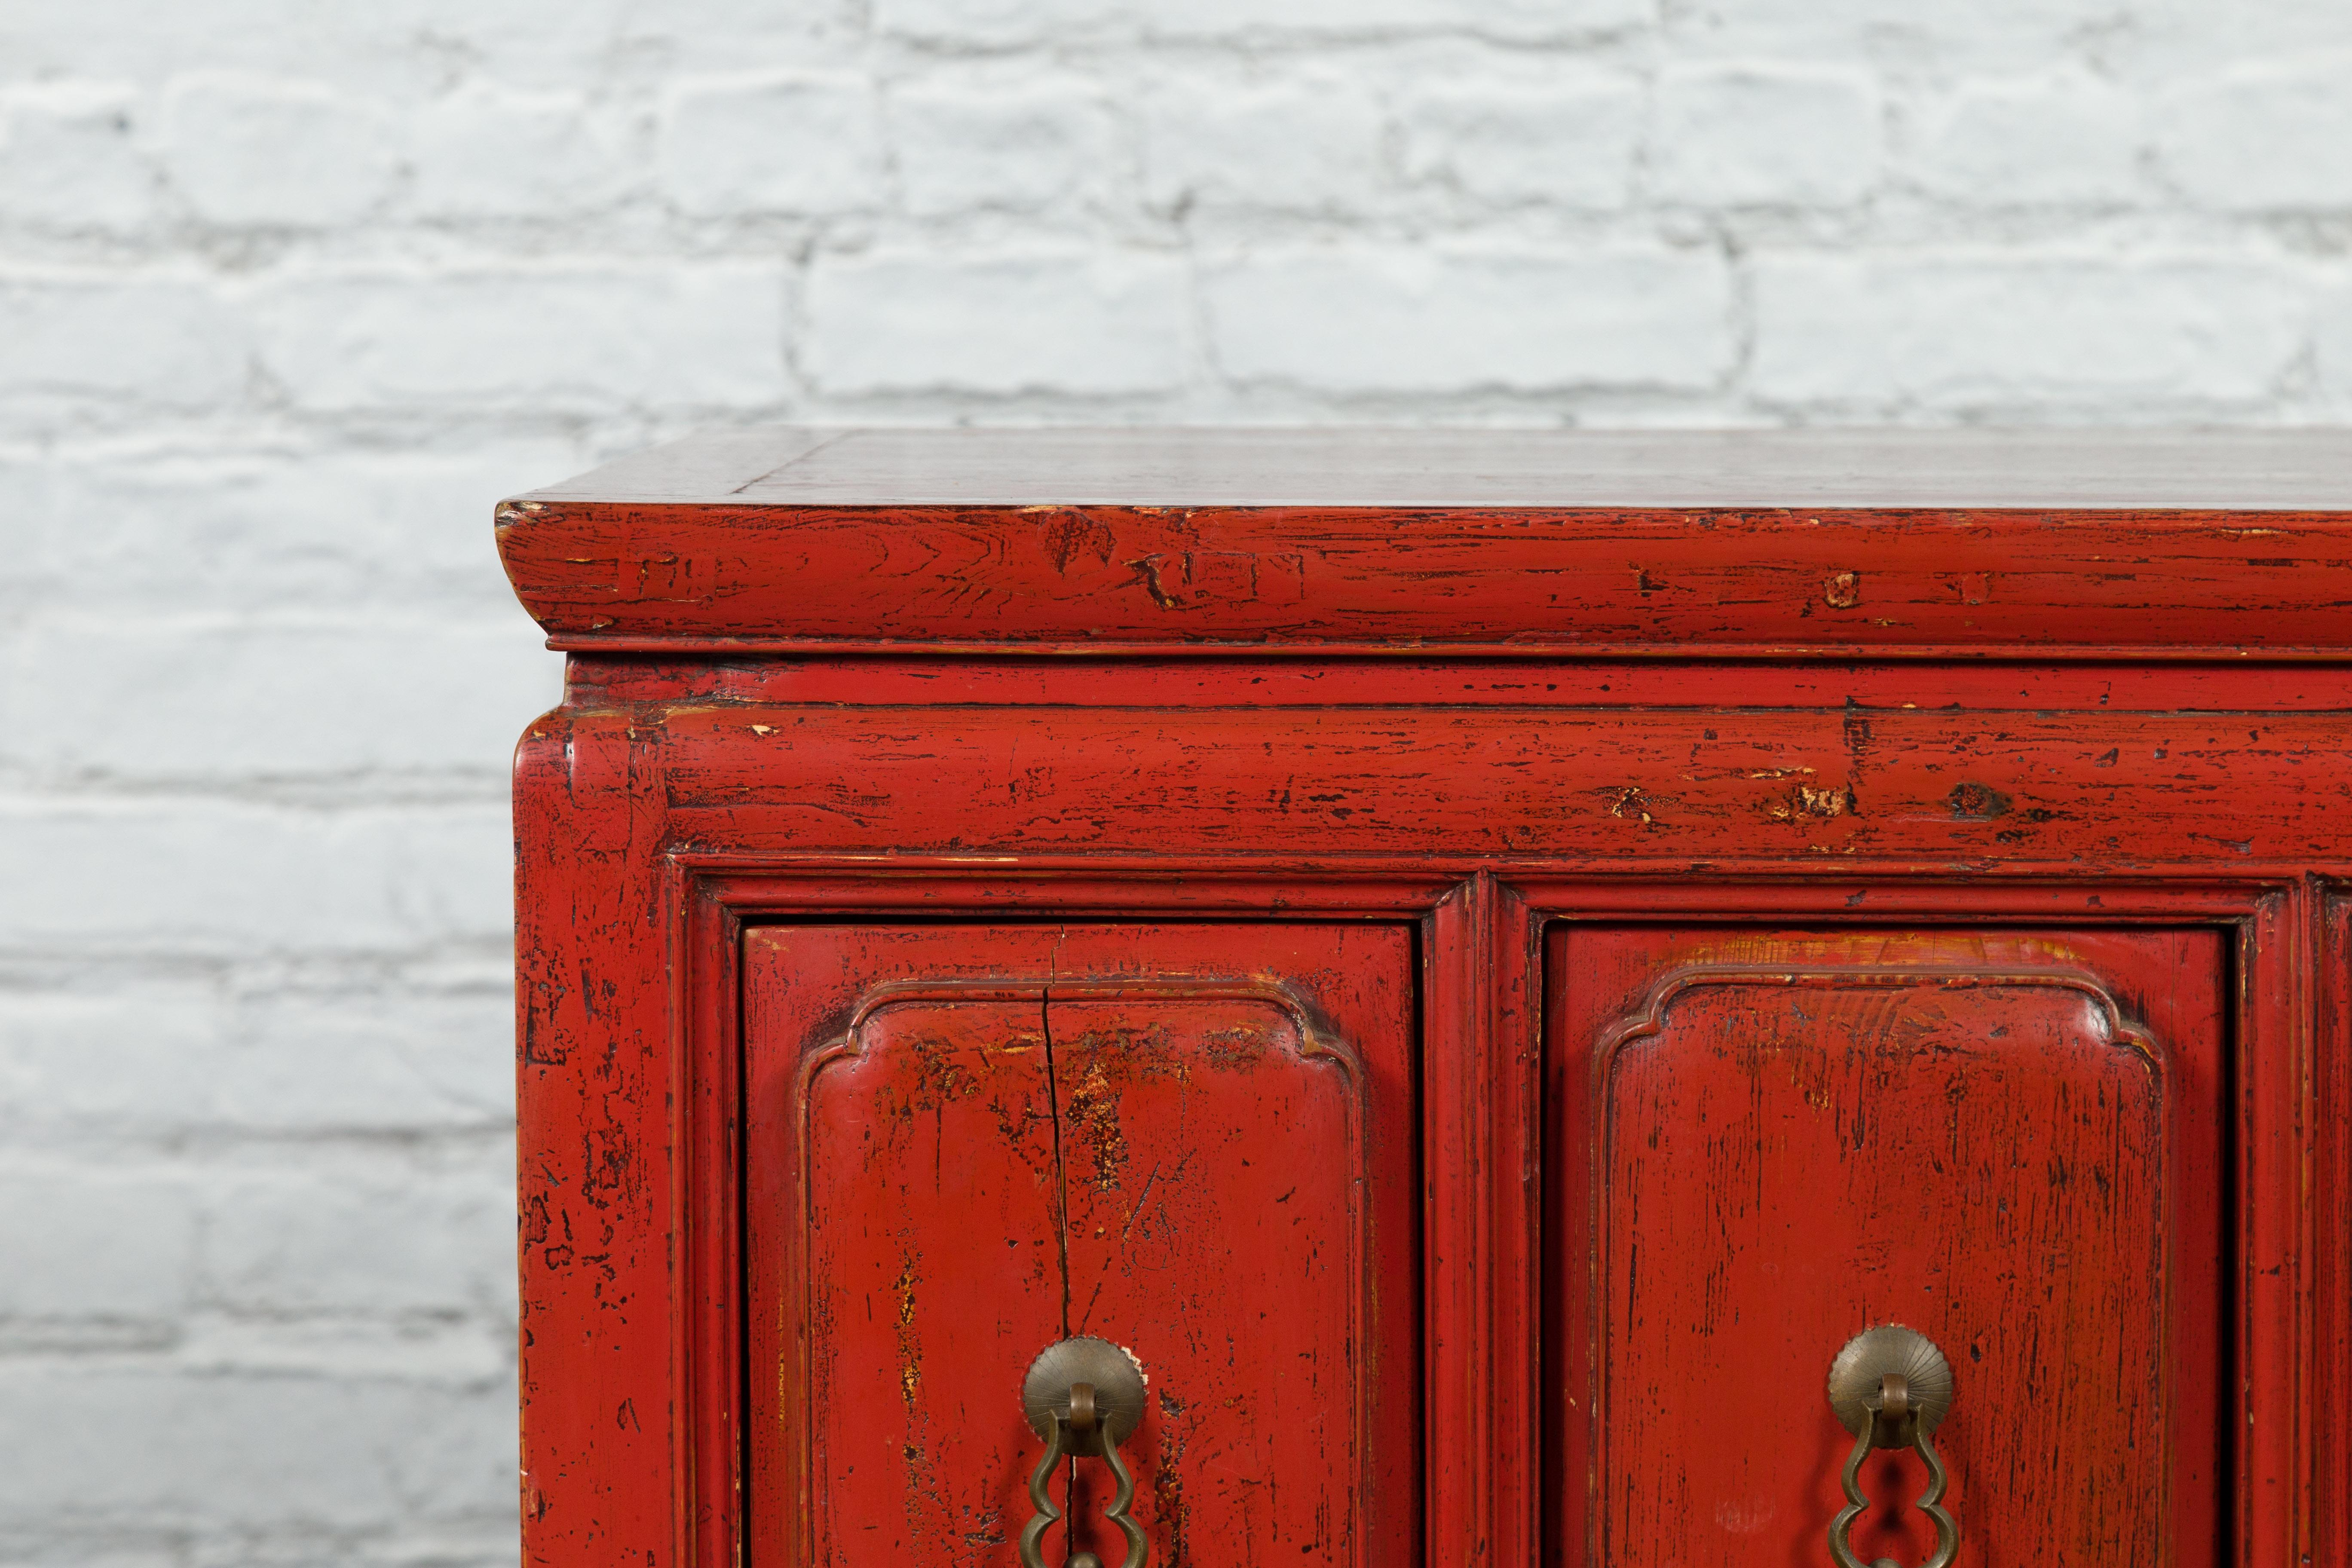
[(1524, 582), (1185, 1167), (1794, 1138), (2056, 729)]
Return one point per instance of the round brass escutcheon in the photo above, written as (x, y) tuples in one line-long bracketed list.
[(1114, 1376), (1856, 1374)]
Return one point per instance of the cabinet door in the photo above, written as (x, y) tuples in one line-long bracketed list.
[(1769, 1142), (965, 1143)]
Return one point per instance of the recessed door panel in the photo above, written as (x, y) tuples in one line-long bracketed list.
[(968, 1143), (2011, 1142)]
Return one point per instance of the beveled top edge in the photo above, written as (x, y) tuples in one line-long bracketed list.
[(1963, 469)]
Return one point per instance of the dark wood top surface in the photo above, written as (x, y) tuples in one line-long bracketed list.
[(2237, 470)]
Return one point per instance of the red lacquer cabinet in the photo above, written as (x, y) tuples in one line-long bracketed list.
[(1381, 999)]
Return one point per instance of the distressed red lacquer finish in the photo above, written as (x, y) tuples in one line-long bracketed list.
[(966, 1142), (1481, 959), (2012, 1143)]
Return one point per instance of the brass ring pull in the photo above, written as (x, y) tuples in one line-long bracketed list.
[(1085, 1397), (1891, 1386)]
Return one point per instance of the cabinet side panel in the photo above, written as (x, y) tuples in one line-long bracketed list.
[(2330, 1279), (602, 1468)]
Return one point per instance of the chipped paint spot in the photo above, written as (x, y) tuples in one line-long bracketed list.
[(1803, 802), (1973, 802), (1632, 802), (1147, 571), (1237, 1049), (1093, 1111), (945, 1076), (1168, 1499), (1068, 534), (910, 1349)]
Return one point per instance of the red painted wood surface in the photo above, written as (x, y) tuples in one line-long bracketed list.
[(1402, 840), (1605, 581), (2012, 1143), (2108, 545), (965, 1143), (598, 680), (2081, 789)]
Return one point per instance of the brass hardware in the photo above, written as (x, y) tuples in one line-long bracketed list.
[(1085, 1397), (1890, 1387)]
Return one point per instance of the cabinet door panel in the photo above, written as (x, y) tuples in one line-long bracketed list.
[(2011, 1143), (966, 1142)]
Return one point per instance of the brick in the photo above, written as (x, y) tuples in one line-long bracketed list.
[(353, 1232), (69, 158), (89, 1548), (1765, 134), (367, 1061), (2068, 137), (474, 1352), (132, 1060), (130, 533), (162, 338), (1035, 321), (230, 878), (151, 1058), (588, 336), (182, 1449), (1991, 332), (1016, 21), (698, 37), (282, 698), (2262, 137), (89, 1239), (966, 145), (265, 152), (1463, 318), (1308, 142), (398, 47), (786, 142), (1571, 142), (486, 150), (2019, 34), (2334, 349)]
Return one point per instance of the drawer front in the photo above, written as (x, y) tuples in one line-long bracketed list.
[(965, 1143), (2012, 1143)]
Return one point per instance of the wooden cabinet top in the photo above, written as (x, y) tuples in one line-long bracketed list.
[(1752, 543)]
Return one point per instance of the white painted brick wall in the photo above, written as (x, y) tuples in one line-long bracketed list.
[(291, 293)]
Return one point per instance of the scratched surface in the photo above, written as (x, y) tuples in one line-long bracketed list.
[(1797, 1138), (1194, 1141), (2079, 788), (2065, 581)]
